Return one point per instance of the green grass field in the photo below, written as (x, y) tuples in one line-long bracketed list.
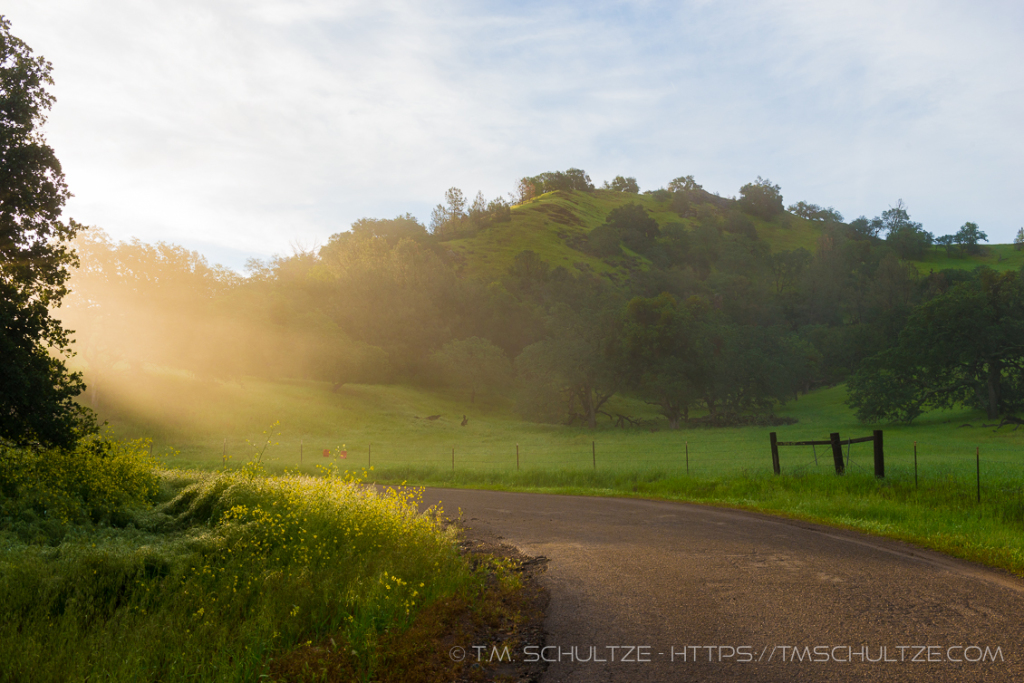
[(194, 424), (386, 426)]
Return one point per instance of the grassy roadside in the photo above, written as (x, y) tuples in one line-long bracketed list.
[(944, 516), (218, 575)]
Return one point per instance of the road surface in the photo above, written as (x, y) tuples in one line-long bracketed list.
[(659, 591)]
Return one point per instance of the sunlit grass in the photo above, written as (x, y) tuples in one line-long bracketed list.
[(209, 424), (229, 572), (385, 426)]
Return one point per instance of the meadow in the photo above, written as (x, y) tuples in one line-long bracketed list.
[(385, 427), (207, 425)]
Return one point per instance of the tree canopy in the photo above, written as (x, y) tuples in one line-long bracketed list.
[(620, 184), (570, 179), (761, 198), (36, 390), (965, 347)]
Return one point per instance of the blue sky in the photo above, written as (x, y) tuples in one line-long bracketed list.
[(245, 128)]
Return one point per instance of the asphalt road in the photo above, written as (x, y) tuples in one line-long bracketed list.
[(658, 591)]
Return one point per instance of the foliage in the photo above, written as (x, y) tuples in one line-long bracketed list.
[(572, 179), (225, 575), (452, 219), (393, 230), (761, 198), (659, 352), (620, 184), (964, 347), (525, 191), (683, 183), (792, 305), (445, 217), (629, 224), (578, 360), (891, 220), (1018, 241), (949, 243), (787, 267), (36, 389), (474, 364), (968, 237), (907, 237), (99, 480), (862, 228), (813, 212), (910, 240), (135, 303)]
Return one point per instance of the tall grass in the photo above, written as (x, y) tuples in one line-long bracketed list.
[(228, 572)]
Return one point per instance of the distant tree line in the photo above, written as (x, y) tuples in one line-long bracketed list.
[(699, 314)]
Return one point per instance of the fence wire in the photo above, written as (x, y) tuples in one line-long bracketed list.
[(697, 453)]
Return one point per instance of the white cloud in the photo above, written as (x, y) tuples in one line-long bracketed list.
[(247, 125)]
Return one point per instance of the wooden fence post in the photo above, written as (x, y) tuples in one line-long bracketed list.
[(915, 464), (977, 462), (879, 455), (837, 452), (774, 439)]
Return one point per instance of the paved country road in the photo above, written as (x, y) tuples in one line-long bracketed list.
[(661, 591)]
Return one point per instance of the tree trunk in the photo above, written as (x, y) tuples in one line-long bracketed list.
[(995, 371)]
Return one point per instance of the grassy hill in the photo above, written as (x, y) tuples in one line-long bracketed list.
[(555, 226), (1000, 257)]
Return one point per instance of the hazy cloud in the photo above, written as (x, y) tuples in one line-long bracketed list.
[(239, 127)]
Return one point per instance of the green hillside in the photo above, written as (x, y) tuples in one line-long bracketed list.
[(555, 225), (1000, 257)]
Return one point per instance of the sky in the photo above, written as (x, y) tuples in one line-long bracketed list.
[(248, 128)]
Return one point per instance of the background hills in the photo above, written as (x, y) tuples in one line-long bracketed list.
[(565, 297)]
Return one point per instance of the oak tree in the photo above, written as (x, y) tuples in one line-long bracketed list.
[(37, 391)]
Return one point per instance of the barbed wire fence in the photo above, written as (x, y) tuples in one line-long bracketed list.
[(693, 453)]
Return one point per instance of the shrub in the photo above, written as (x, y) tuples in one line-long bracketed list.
[(97, 481)]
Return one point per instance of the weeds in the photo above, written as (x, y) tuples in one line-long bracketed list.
[(225, 573)]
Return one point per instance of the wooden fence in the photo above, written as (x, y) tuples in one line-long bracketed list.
[(837, 450)]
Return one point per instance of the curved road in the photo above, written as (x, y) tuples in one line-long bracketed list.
[(658, 591)]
